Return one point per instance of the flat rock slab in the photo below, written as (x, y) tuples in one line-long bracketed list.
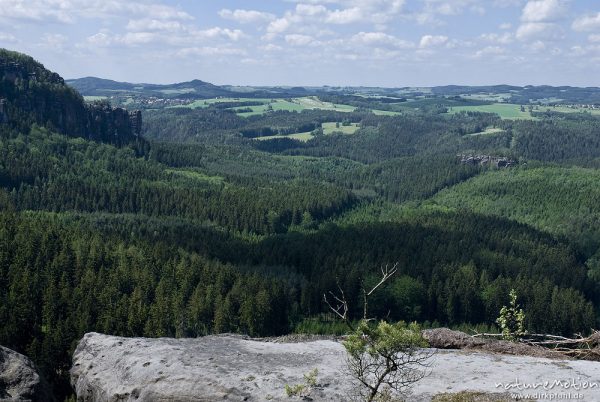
[(108, 368)]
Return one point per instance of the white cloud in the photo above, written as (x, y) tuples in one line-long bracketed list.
[(138, 38), (316, 13), (537, 46), (102, 39), (587, 23), (539, 31), (433, 8), (131, 9), (380, 38), (210, 51), (592, 38), (246, 16), (186, 37), (68, 11), (279, 25), (453, 7), (432, 41), (346, 16), (310, 10), (539, 19), (504, 38), (505, 26), (35, 10), (490, 51), (231, 34), (147, 24), (543, 10), (270, 48), (298, 40)]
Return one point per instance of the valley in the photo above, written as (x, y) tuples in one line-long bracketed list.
[(214, 211)]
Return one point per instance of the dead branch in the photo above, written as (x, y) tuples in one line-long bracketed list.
[(386, 274), (579, 347), (341, 305)]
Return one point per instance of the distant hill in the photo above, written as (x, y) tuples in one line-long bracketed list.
[(527, 94), (89, 85), (92, 86), (31, 94), (197, 89)]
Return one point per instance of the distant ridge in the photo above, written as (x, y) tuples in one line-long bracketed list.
[(93, 86), (198, 89)]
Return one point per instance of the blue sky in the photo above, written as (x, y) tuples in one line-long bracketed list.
[(389, 43)]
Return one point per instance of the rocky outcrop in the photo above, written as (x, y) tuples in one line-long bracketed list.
[(234, 368), (32, 94), (488, 160), (19, 380)]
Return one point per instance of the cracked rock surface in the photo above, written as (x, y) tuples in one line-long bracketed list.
[(234, 368)]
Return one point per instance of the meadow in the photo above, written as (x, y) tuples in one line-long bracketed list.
[(513, 111), (289, 104), (328, 129), (504, 110), (489, 131)]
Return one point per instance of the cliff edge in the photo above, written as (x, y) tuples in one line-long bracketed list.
[(234, 368)]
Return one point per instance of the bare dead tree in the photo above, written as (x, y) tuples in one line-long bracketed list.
[(384, 358), (341, 305), (386, 274)]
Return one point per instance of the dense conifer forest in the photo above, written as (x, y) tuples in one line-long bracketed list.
[(193, 223)]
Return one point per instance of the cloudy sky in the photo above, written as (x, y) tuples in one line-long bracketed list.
[(312, 42)]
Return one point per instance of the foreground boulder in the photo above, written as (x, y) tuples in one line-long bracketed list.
[(233, 368), (19, 380)]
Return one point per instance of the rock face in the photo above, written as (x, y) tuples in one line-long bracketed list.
[(33, 94), (19, 380), (487, 160), (211, 368), (233, 368)]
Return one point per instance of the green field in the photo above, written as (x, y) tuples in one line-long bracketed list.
[(504, 110), (177, 91), (491, 97), (513, 111), (93, 98), (563, 109), (385, 113), (298, 136), (489, 131), (330, 128), (295, 104)]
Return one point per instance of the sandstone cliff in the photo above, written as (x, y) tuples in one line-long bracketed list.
[(29, 93), (107, 368)]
